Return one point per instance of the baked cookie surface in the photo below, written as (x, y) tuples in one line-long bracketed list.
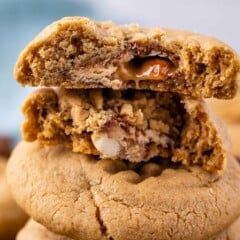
[(76, 52), (234, 133), (231, 233), (229, 112), (84, 198), (36, 231), (133, 125), (12, 218)]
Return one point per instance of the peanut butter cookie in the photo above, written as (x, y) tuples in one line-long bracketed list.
[(35, 231), (12, 218), (76, 52), (231, 233), (134, 125), (234, 133), (229, 112), (5, 145), (82, 197)]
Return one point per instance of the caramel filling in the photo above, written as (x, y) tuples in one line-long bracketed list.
[(151, 68)]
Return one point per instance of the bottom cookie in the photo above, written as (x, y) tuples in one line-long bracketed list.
[(36, 231), (12, 218), (86, 198)]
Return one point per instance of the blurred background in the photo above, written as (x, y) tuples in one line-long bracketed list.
[(20, 21)]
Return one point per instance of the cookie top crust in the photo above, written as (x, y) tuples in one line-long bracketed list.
[(76, 52), (82, 197)]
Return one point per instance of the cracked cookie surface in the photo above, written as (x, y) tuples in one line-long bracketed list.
[(76, 52), (133, 125), (86, 198)]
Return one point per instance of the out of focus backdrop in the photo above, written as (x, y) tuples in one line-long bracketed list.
[(20, 21)]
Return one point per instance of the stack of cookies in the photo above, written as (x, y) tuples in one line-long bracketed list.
[(119, 143)]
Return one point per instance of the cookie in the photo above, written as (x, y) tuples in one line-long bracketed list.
[(83, 197), (229, 112), (5, 145), (135, 125), (35, 231), (12, 218), (76, 52), (232, 232), (234, 133)]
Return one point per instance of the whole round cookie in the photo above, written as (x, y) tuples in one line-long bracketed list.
[(85, 198), (34, 230), (12, 218)]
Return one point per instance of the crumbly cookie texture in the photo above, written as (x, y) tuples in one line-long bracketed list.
[(36, 231), (12, 217), (76, 52), (132, 124), (82, 197)]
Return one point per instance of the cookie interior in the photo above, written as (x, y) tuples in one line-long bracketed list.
[(132, 125), (76, 52)]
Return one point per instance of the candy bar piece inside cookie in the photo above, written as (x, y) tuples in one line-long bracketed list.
[(135, 125), (76, 52)]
